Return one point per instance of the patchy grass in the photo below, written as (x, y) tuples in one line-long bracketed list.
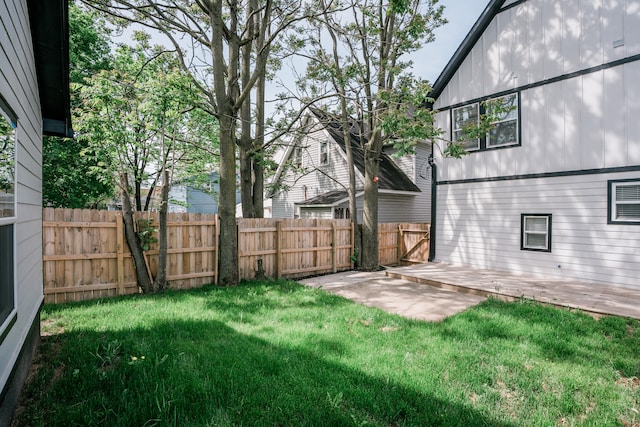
[(277, 353)]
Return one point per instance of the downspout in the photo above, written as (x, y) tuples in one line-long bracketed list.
[(434, 205)]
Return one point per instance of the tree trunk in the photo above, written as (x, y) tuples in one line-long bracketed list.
[(227, 203), (138, 195), (258, 146), (139, 264), (370, 211), (225, 82), (246, 180), (160, 281), (246, 142)]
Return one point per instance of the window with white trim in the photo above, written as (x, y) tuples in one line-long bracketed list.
[(297, 156), (463, 118), (624, 202), (7, 217), (536, 232), (324, 153)]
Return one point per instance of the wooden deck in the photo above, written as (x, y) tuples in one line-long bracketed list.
[(593, 298)]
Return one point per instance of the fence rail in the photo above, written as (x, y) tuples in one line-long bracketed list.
[(85, 255)]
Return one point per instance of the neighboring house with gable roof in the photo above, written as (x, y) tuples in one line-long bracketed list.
[(313, 177), (554, 188), (34, 100)]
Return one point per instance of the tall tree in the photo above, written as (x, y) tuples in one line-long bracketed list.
[(225, 47), (67, 177), (372, 81), (141, 121)]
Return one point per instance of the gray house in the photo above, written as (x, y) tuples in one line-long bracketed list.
[(34, 100), (184, 197), (554, 188), (312, 179)]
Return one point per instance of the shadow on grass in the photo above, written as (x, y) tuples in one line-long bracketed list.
[(206, 373)]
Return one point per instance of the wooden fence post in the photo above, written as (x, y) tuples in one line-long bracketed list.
[(278, 249), (333, 247), (353, 244), (238, 246), (217, 249), (400, 240), (120, 254)]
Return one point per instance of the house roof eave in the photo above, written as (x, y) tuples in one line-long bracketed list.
[(49, 22)]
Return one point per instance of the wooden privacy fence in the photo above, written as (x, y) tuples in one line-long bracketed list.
[(86, 256), (293, 248)]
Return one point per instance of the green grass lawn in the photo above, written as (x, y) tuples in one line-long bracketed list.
[(278, 353)]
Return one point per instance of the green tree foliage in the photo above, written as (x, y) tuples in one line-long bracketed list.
[(225, 47), (364, 68), (143, 127), (68, 180)]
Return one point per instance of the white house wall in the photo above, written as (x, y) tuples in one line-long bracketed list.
[(319, 179), (586, 122), (480, 226), (18, 86), (542, 39), (410, 208), (579, 110)]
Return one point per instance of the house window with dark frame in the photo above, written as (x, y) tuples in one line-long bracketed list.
[(624, 202), (463, 118), (324, 153), (505, 131), (7, 218), (535, 232)]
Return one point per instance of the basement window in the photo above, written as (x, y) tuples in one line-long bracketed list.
[(624, 202), (536, 232)]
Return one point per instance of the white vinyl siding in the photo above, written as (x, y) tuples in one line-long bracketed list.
[(314, 179), (316, 213), (18, 86), (479, 224)]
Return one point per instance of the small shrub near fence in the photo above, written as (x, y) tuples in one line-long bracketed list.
[(86, 256)]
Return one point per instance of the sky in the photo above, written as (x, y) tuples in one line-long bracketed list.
[(433, 57)]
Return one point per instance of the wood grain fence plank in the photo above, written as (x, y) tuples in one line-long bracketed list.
[(85, 255)]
